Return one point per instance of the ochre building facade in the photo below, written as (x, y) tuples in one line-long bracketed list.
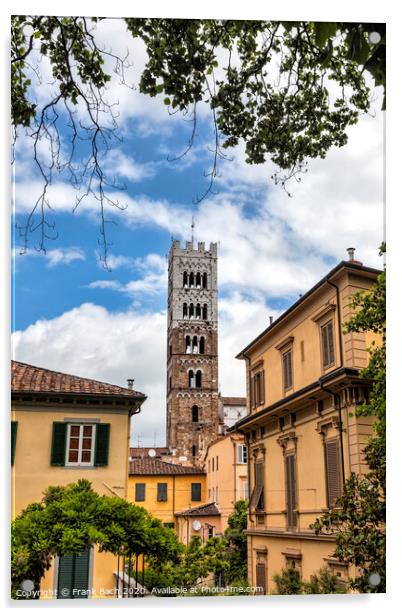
[(303, 436)]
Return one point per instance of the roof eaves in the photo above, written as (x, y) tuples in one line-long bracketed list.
[(338, 267)]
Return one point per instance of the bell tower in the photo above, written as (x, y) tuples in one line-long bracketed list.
[(192, 353)]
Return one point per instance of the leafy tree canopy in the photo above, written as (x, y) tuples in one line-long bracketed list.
[(71, 518), (287, 90)]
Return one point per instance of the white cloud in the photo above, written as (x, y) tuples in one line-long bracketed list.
[(92, 342), (53, 257), (118, 165), (153, 281)]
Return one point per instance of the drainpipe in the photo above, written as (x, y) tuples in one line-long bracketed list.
[(174, 494), (234, 472), (132, 411)]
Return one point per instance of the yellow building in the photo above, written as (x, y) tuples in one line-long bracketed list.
[(66, 428), (302, 434), (227, 479), (163, 488)]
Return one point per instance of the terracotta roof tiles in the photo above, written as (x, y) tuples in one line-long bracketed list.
[(32, 379), (208, 509), (156, 466)]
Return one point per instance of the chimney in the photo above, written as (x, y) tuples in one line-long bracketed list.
[(271, 320), (130, 383), (351, 253)]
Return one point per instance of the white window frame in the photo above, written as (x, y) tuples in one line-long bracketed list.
[(80, 439), (241, 454), (244, 488)]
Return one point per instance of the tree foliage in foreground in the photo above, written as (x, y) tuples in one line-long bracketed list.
[(358, 519), (72, 518), (287, 90), (324, 582), (223, 558)]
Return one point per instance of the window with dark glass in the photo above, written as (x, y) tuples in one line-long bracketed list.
[(194, 413), (162, 492), (202, 345), (195, 491), (140, 492)]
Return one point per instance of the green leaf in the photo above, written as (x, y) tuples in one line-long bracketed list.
[(324, 31), (166, 100)]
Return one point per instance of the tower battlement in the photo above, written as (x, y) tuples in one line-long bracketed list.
[(190, 250)]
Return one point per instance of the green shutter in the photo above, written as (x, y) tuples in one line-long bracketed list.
[(102, 444), (65, 576), (58, 456), (14, 427), (73, 576), (81, 575)]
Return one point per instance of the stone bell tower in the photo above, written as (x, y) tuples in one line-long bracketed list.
[(192, 353)]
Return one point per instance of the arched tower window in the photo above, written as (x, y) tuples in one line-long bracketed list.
[(204, 280), (191, 280), (188, 344), (191, 379), (205, 312), (194, 450), (202, 345), (198, 311), (185, 280), (198, 280), (191, 311), (198, 378), (194, 414), (185, 313), (195, 344)]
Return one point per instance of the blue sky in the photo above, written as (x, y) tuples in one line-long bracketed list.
[(71, 314)]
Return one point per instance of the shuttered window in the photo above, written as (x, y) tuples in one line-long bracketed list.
[(261, 577), (14, 427), (102, 444), (291, 514), (287, 369), (327, 342), (162, 492), (257, 496), (58, 454), (140, 492), (195, 491), (333, 470), (252, 397), (80, 444), (257, 389), (73, 576)]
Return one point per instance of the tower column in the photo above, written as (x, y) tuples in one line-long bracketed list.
[(192, 353)]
